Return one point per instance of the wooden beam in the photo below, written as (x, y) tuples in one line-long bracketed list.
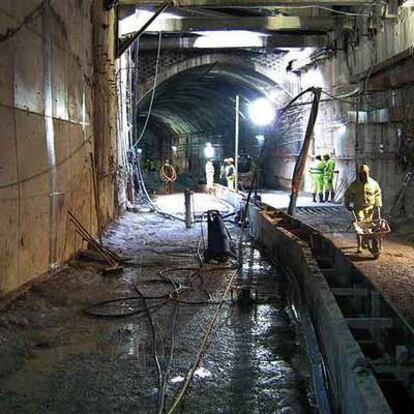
[(368, 323), (303, 155), (262, 24), (150, 42), (246, 3)]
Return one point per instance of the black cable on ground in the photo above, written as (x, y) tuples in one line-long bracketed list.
[(90, 310), (154, 348), (200, 352)]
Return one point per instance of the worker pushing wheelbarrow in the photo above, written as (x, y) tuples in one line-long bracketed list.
[(363, 198), (370, 233)]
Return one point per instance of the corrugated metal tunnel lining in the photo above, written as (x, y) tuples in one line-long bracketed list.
[(202, 99)]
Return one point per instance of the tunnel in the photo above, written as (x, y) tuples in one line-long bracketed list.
[(196, 108), (206, 206)]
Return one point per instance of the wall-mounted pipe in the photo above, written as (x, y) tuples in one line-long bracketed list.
[(50, 132)]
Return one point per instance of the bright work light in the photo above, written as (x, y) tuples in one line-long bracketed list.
[(261, 112)]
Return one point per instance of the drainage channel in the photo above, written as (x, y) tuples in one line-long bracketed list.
[(385, 340)]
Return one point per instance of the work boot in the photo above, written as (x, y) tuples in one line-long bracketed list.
[(314, 197), (332, 196), (321, 200), (327, 196)]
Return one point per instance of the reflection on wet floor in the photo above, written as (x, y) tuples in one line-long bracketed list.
[(254, 360), (56, 359)]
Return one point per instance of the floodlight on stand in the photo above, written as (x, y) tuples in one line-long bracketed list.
[(261, 112), (174, 149), (209, 150), (139, 150)]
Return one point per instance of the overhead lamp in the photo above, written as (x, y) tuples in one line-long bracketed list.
[(261, 112), (228, 39)]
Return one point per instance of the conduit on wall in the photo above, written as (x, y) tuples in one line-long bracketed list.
[(50, 132)]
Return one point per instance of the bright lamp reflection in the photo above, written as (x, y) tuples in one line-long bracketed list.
[(262, 112), (228, 38)]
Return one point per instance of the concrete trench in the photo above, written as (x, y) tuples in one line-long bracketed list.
[(367, 346)]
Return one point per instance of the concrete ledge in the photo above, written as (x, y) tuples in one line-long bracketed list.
[(230, 196), (355, 389)]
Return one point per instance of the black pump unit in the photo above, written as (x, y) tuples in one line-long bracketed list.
[(220, 245)]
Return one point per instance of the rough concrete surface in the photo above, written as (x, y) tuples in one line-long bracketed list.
[(54, 358), (47, 117)]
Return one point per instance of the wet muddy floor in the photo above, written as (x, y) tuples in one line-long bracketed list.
[(57, 358)]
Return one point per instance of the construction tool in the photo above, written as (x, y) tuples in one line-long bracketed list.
[(110, 257)]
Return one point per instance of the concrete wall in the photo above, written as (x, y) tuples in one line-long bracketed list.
[(350, 73), (47, 111)]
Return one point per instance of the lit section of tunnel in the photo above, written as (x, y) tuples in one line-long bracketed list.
[(196, 107)]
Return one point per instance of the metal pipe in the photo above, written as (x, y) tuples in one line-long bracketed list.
[(236, 145), (50, 132)]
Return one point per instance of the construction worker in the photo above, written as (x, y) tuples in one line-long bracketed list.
[(230, 173), (328, 177), (209, 175), (317, 173), (363, 196)]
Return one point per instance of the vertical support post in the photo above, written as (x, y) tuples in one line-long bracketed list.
[(50, 132), (188, 209), (301, 161), (236, 145)]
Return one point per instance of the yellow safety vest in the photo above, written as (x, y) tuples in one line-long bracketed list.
[(364, 195)]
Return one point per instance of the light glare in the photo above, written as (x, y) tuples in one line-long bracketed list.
[(261, 112), (229, 38)]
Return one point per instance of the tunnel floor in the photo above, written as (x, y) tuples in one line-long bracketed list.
[(55, 358)]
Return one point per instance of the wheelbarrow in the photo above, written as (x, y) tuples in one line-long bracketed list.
[(372, 232)]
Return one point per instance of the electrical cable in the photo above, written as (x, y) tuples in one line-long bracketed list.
[(200, 352), (10, 32), (154, 346), (153, 91), (171, 358), (47, 170)]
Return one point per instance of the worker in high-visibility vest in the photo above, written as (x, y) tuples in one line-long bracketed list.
[(209, 175), (317, 173), (328, 176), (363, 196)]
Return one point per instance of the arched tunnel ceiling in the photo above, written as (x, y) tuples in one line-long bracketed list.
[(202, 100)]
